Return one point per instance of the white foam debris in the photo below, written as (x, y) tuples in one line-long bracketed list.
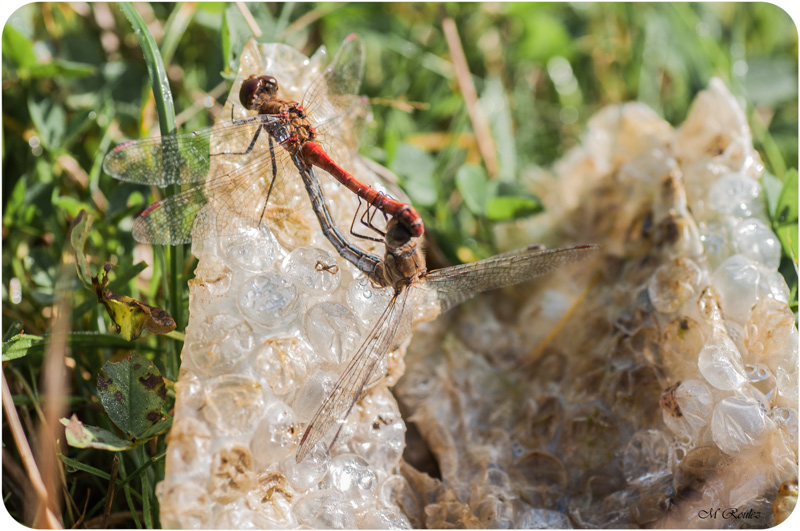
[(635, 390), (673, 361), (275, 314)]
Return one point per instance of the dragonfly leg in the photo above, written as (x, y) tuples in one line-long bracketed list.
[(366, 221), (274, 176), (249, 148), (369, 219)]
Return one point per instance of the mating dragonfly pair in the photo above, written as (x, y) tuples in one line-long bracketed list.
[(284, 138)]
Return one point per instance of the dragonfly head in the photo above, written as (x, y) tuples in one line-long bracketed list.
[(255, 88), (396, 234)]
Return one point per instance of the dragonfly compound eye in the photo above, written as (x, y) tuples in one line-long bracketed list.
[(254, 86), (396, 235)]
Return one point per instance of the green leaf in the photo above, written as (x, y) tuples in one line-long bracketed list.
[(147, 513), (786, 209), (61, 68), (155, 69), (133, 393), (166, 119), (235, 33), (788, 237), (19, 346), (50, 120), (129, 273), (81, 436), (77, 237), (494, 101), (416, 167), (225, 35), (772, 190), (545, 35), (786, 215), (157, 429), (72, 464), (14, 328), (78, 124), (71, 205), (475, 187), (17, 48), (175, 29), (507, 207), (132, 317), (770, 80), (79, 340)]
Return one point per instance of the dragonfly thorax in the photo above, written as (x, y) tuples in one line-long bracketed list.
[(403, 263), (260, 94)]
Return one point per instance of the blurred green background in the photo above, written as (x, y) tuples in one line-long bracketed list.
[(75, 83)]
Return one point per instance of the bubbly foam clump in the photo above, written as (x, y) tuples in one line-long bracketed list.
[(638, 390), (275, 314)]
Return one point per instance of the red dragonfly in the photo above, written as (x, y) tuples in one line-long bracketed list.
[(402, 269), (239, 165)]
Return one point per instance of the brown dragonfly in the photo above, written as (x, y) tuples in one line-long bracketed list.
[(403, 269)]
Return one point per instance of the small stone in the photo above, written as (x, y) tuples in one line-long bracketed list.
[(785, 501), (271, 498), (189, 446), (184, 505), (215, 274), (382, 441), (313, 392), (367, 300), (786, 419), (681, 342)]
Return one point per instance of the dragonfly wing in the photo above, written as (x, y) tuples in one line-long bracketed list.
[(184, 158), (240, 198), (458, 283), (340, 136), (343, 76), (340, 401), (170, 221), (330, 94)]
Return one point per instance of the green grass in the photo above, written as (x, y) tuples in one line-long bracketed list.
[(76, 84)]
